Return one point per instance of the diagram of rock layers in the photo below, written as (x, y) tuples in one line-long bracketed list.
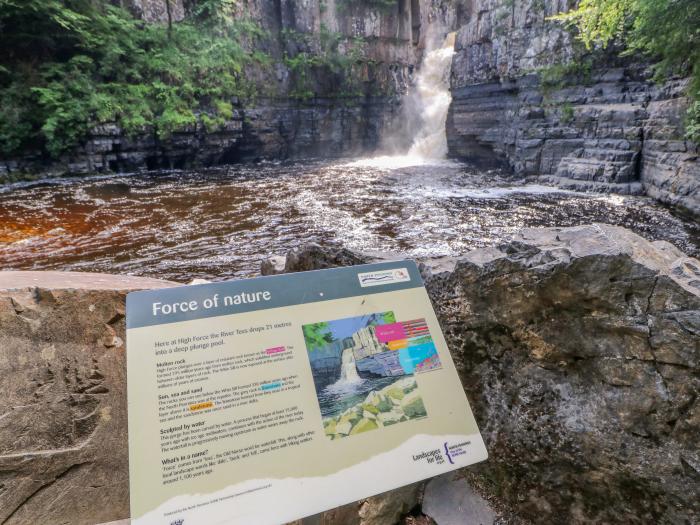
[(412, 343)]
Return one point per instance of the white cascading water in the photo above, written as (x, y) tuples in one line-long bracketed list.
[(434, 98), (348, 369), (430, 99)]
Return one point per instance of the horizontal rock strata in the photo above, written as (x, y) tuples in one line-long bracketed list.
[(522, 97)]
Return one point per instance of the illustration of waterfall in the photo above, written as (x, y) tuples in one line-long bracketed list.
[(350, 388), (348, 369)]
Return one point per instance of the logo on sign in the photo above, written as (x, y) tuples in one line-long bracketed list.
[(398, 275), (458, 449)]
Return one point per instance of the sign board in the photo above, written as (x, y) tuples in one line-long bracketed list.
[(270, 399)]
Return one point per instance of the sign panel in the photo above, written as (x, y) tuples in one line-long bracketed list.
[(270, 399)]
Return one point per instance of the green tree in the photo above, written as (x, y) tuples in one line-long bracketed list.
[(667, 31), (317, 335), (71, 64)]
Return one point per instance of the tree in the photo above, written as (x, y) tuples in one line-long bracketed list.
[(317, 335), (667, 31)]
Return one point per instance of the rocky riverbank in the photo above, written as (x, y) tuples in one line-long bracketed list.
[(525, 96), (578, 349)]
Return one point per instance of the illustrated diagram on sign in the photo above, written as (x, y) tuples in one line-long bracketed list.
[(364, 370)]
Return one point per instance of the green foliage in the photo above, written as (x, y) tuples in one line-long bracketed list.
[(665, 30), (317, 335), (557, 76), (86, 63), (692, 124), (599, 22), (337, 56), (566, 113)]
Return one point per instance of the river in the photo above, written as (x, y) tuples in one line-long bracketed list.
[(219, 223)]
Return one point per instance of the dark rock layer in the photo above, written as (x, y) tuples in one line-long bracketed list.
[(272, 130)]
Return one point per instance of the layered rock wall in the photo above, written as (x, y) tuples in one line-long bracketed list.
[(525, 96), (296, 112)]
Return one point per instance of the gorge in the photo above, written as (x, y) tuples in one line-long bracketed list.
[(550, 194), (523, 97)]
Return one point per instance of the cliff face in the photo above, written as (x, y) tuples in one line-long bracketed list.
[(521, 97), (298, 109)]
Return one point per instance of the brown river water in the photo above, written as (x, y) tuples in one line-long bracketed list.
[(220, 223)]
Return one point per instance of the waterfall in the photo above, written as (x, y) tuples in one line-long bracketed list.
[(348, 369), (424, 112), (433, 101)]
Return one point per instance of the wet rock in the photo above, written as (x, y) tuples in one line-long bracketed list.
[(449, 500), (578, 349), (311, 257)]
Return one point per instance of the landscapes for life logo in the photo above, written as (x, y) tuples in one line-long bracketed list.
[(364, 370)]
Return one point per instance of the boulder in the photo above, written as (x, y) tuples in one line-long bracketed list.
[(578, 349), (450, 500), (63, 428)]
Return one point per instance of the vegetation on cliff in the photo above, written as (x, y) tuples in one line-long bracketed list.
[(69, 65), (665, 30), (72, 64), (328, 54)]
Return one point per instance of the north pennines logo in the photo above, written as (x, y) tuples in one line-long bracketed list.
[(397, 275)]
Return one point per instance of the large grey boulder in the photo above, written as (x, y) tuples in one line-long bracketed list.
[(579, 350)]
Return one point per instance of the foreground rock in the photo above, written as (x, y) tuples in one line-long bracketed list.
[(579, 351), (63, 424), (63, 418)]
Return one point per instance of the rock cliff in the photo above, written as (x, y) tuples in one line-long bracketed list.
[(298, 109), (524, 95), (579, 349)]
